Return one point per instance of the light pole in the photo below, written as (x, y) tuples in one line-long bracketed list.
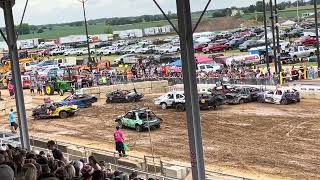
[(317, 33), (87, 35), (273, 39), (277, 36), (265, 33)]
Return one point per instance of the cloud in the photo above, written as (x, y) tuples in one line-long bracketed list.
[(58, 11)]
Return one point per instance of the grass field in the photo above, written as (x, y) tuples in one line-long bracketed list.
[(287, 13)]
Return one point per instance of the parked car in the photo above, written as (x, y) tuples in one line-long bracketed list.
[(56, 52), (107, 50), (208, 67), (84, 51), (81, 100), (124, 96), (235, 43), (279, 96), (294, 33), (168, 49), (70, 52), (139, 119), (199, 47), (103, 44), (128, 59), (215, 47), (309, 41), (298, 52), (56, 109), (250, 44)]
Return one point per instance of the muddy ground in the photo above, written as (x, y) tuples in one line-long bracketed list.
[(257, 140)]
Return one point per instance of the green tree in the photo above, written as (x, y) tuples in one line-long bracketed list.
[(259, 6), (109, 30), (40, 31), (23, 29)]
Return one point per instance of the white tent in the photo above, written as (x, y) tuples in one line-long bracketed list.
[(288, 23)]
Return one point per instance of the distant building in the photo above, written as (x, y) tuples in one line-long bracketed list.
[(235, 12)]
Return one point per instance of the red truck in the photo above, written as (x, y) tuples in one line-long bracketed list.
[(310, 41), (215, 47), (199, 47)]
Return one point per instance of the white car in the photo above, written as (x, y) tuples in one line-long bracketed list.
[(169, 49), (84, 51), (208, 67), (56, 52), (51, 70), (127, 59), (130, 50), (170, 99), (70, 52), (107, 50)]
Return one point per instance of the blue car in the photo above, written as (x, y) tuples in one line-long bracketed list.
[(81, 100)]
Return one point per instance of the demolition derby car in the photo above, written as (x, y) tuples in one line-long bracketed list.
[(54, 110), (81, 100), (240, 95), (279, 96), (123, 96), (176, 99), (139, 119)]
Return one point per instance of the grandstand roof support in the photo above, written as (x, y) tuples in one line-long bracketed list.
[(190, 89), (13, 52)]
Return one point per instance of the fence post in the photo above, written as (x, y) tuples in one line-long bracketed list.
[(161, 168), (147, 168)]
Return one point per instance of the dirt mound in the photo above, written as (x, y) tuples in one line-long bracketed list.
[(224, 23)]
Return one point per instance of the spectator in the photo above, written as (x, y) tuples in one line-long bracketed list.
[(119, 139), (32, 86), (87, 172), (57, 154), (94, 163), (11, 89), (6, 172), (30, 172), (13, 125), (71, 172)]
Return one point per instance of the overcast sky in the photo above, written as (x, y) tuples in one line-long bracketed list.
[(59, 11)]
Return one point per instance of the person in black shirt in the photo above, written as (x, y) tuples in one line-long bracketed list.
[(56, 153)]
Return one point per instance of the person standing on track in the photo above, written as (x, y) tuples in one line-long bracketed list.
[(119, 139), (13, 125)]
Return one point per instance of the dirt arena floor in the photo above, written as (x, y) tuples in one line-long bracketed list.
[(262, 141)]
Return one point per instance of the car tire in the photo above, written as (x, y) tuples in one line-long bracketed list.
[(63, 114), (158, 126), (138, 128), (108, 100), (180, 107), (241, 101), (260, 100), (284, 102), (163, 106), (36, 117)]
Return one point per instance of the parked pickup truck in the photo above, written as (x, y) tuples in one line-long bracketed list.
[(299, 52)]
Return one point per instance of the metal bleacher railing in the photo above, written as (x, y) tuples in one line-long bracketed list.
[(158, 173)]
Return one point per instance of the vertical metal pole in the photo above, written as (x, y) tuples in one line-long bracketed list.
[(87, 34), (273, 39), (317, 33), (277, 35), (298, 11), (266, 33), (13, 51), (190, 89)]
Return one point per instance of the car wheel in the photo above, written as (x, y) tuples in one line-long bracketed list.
[(63, 114), (241, 101), (163, 106), (138, 128), (108, 100), (120, 124), (180, 107), (284, 102), (36, 116), (260, 100), (158, 126)]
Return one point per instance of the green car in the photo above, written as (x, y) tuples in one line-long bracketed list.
[(139, 119)]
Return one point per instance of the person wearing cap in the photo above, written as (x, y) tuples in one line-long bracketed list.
[(119, 139)]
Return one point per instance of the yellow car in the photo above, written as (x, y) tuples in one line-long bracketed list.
[(54, 110)]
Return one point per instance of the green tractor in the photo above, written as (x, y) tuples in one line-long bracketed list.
[(58, 86)]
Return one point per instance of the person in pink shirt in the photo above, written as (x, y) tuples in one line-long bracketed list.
[(119, 139), (11, 89)]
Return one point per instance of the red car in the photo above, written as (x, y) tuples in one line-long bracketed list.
[(215, 48), (310, 41), (199, 47)]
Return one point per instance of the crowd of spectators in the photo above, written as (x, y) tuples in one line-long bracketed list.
[(19, 164)]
